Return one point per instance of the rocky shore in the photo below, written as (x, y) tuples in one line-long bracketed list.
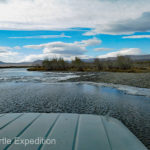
[(141, 80)]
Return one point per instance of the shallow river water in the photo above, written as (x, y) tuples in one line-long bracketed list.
[(23, 91)]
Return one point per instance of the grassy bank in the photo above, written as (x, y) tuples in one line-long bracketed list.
[(121, 64)]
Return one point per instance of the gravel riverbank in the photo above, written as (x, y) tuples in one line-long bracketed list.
[(141, 80)]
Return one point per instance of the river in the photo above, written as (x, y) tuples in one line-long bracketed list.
[(23, 91)]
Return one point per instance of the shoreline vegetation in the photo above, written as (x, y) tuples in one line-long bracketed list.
[(5, 67), (120, 64)]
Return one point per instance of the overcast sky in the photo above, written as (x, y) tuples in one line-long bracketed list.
[(38, 29)]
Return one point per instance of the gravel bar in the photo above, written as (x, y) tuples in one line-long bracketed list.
[(141, 80)]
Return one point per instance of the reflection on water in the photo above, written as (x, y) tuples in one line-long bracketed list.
[(31, 96)]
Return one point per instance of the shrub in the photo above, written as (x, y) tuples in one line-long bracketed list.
[(77, 64), (55, 64), (99, 64), (124, 62)]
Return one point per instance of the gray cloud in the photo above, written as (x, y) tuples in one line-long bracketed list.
[(66, 14), (136, 37), (76, 48), (102, 49), (90, 42), (62, 49), (140, 24), (2, 51)]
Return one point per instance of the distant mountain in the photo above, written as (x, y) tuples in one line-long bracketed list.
[(21, 64), (140, 57), (2, 62), (133, 57), (37, 62)]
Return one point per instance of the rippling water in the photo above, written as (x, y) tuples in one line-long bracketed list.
[(22, 75), (22, 91)]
